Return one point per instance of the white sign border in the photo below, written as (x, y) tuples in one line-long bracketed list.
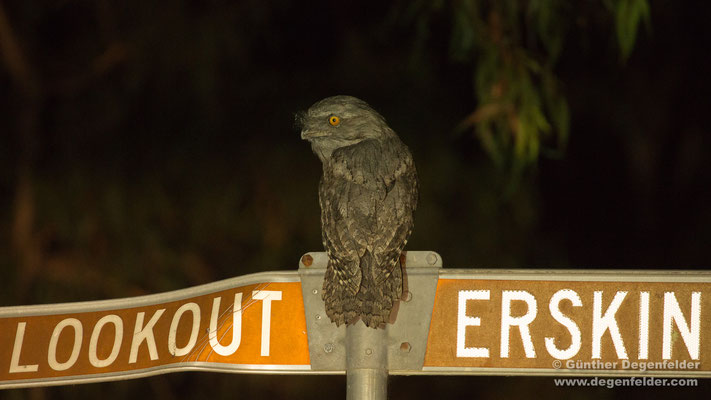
[(579, 275), (148, 300)]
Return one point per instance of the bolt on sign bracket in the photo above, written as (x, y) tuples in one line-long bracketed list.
[(410, 321)]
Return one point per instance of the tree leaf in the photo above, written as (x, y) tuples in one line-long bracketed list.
[(628, 15)]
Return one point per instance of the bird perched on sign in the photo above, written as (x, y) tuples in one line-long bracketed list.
[(368, 194)]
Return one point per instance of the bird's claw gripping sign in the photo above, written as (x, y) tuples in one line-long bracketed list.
[(486, 322)]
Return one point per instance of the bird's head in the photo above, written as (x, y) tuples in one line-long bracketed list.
[(340, 121)]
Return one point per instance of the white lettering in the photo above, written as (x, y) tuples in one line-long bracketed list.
[(507, 321), (267, 296), (463, 321), (692, 335), (17, 349), (643, 325), (575, 335), (93, 342), (172, 344), (236, 327), (144, 333), (602, 323), (52, 352)]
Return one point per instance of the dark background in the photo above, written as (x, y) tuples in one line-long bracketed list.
[(147, 148)]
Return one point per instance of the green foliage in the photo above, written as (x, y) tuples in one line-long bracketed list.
[(628, 15), (513, 47)]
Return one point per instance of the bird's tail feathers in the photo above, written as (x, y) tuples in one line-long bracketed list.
[(339, 297), (376, 299)]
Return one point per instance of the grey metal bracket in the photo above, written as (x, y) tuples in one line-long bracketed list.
[(327, 343), (407, 335)]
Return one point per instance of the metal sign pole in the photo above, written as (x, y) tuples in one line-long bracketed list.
[(366, 363)]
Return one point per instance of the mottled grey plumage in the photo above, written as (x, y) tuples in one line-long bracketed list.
[(368, 194)]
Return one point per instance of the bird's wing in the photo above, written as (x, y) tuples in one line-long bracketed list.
[(375, 187), (342, 250)]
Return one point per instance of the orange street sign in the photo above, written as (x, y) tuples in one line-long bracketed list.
[(450, 321), (253, 323), (571, 323)]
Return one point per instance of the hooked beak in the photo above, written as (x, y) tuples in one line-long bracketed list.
[(308, 134), (300, 124)]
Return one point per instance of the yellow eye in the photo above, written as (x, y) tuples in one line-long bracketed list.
[(334, 120)]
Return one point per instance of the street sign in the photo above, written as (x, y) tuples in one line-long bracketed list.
[(248, 324), (449, 322), (548, 322)]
